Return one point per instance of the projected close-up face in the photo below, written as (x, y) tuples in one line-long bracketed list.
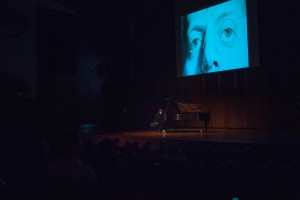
[(215, 39)]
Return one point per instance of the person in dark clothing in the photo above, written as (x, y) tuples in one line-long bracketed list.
[(159, 120)]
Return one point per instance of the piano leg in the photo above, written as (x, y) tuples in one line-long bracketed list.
[(206, 126)]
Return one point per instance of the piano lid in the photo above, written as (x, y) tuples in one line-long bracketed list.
[(191, 108)]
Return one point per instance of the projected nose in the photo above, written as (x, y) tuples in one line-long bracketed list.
[(205, 65)]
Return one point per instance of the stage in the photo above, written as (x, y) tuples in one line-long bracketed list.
[(251, 136)]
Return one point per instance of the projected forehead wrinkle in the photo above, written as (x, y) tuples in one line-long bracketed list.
[(228, 14), (224, 15), (197, 18), (234, 7)]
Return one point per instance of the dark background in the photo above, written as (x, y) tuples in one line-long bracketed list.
[(113, 62)]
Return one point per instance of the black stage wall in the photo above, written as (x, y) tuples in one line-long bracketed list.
[(120, 63)]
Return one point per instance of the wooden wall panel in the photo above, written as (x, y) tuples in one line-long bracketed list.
[(236, 99)]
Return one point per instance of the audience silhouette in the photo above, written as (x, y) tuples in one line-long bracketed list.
[(67, 166)]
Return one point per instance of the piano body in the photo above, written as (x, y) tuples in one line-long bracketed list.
[(178, 111)]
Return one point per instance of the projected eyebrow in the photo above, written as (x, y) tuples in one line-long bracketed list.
[(224, 15), (196, 29)]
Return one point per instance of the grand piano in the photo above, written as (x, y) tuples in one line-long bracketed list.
[(179, 111)]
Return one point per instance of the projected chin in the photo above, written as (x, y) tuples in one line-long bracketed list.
[(215, 39)]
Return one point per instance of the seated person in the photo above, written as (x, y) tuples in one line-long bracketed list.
[(159, 120)]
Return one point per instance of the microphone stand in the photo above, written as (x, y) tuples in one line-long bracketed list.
[(167, 108), (165, 114)]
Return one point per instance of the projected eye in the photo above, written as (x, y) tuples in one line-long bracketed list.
[(227, 31), (195, 44), (227, 35)]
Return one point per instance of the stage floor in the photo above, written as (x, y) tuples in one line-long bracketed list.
[(212, 135)]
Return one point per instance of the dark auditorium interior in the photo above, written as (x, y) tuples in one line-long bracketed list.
[(81, 82)]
